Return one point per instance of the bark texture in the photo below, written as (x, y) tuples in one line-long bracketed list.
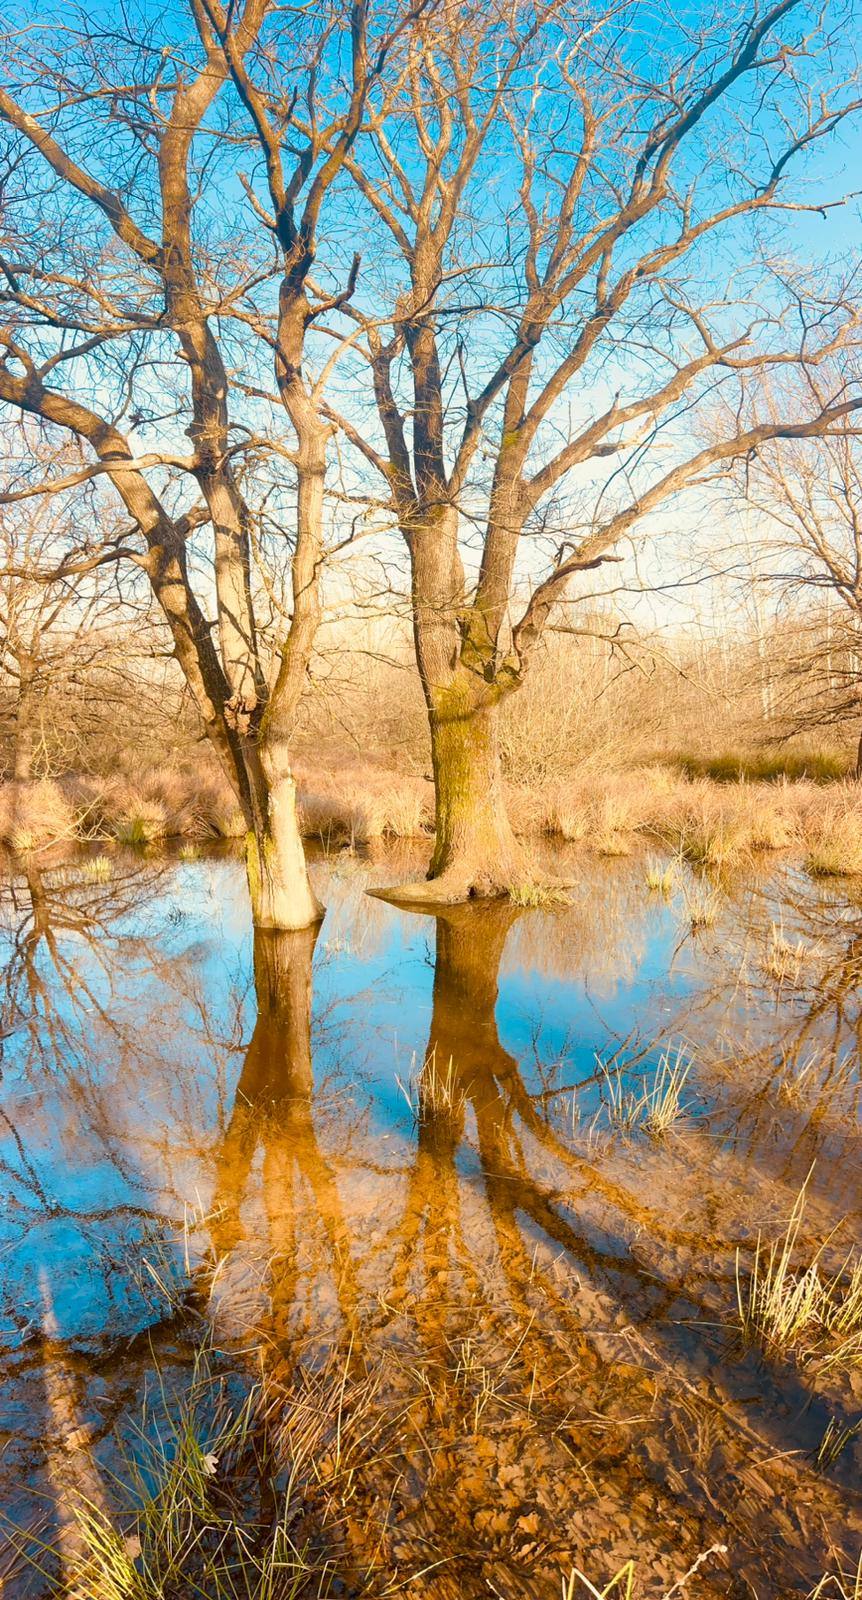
[(279, 885), (476, 853)]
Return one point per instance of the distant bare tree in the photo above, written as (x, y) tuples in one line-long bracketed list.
[(574, 250), (62, 620), (809, 496)]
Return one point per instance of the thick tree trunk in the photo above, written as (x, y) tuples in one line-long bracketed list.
[(469, 949), (476, 853), (279, 886)]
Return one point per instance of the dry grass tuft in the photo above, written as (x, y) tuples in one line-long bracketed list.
[(835, 840), (657, 1106), (805, 1311), (99, 870), (357, 804), (437, 1090), (535, 895), (703, 903), (140, 821), (35, 814), (801, 1080), (786, 959), (660, 879), (663, 1098)]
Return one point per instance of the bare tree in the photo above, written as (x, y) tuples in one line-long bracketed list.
[(143, 300), (574, 228), (808, 494), (67, 630)]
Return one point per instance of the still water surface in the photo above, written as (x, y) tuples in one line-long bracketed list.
[(391, 1142)]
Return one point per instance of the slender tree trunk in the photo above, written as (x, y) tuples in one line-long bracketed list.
[(279, 885), (25, 726), (858, 772)]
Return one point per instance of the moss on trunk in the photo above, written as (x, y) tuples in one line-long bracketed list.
[(474, 841)]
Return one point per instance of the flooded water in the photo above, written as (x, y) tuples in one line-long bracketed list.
[(396, 1161)]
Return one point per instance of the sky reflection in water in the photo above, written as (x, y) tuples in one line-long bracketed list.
[(146, 1086)]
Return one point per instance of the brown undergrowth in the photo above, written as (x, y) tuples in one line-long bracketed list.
[(715, 825)]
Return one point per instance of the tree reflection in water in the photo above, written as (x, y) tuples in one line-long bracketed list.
[(489, 1346), (531, 1318), (273, 1108)]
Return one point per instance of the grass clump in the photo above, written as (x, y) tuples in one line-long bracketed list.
[(361, 803), (534, 895), (437, 1090), (801, 1310), (835, 849), (785, 959), (183, 1526), (659, 878), (99, 869), (702, 904), (662, 1099), (657, 1106), (33, 815), (801, 1079), (142, 823), (721, 842), (568, 819)]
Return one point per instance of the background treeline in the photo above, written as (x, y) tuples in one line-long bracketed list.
[(779, 699)]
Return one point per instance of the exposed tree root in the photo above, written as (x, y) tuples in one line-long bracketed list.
[(459, 885)]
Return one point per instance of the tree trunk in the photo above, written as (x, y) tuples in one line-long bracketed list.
[(476, 854), (858, 772), (25, 727), (279, 886)]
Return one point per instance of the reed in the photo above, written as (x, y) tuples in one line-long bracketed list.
[(535, 896), (663, 1098)]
